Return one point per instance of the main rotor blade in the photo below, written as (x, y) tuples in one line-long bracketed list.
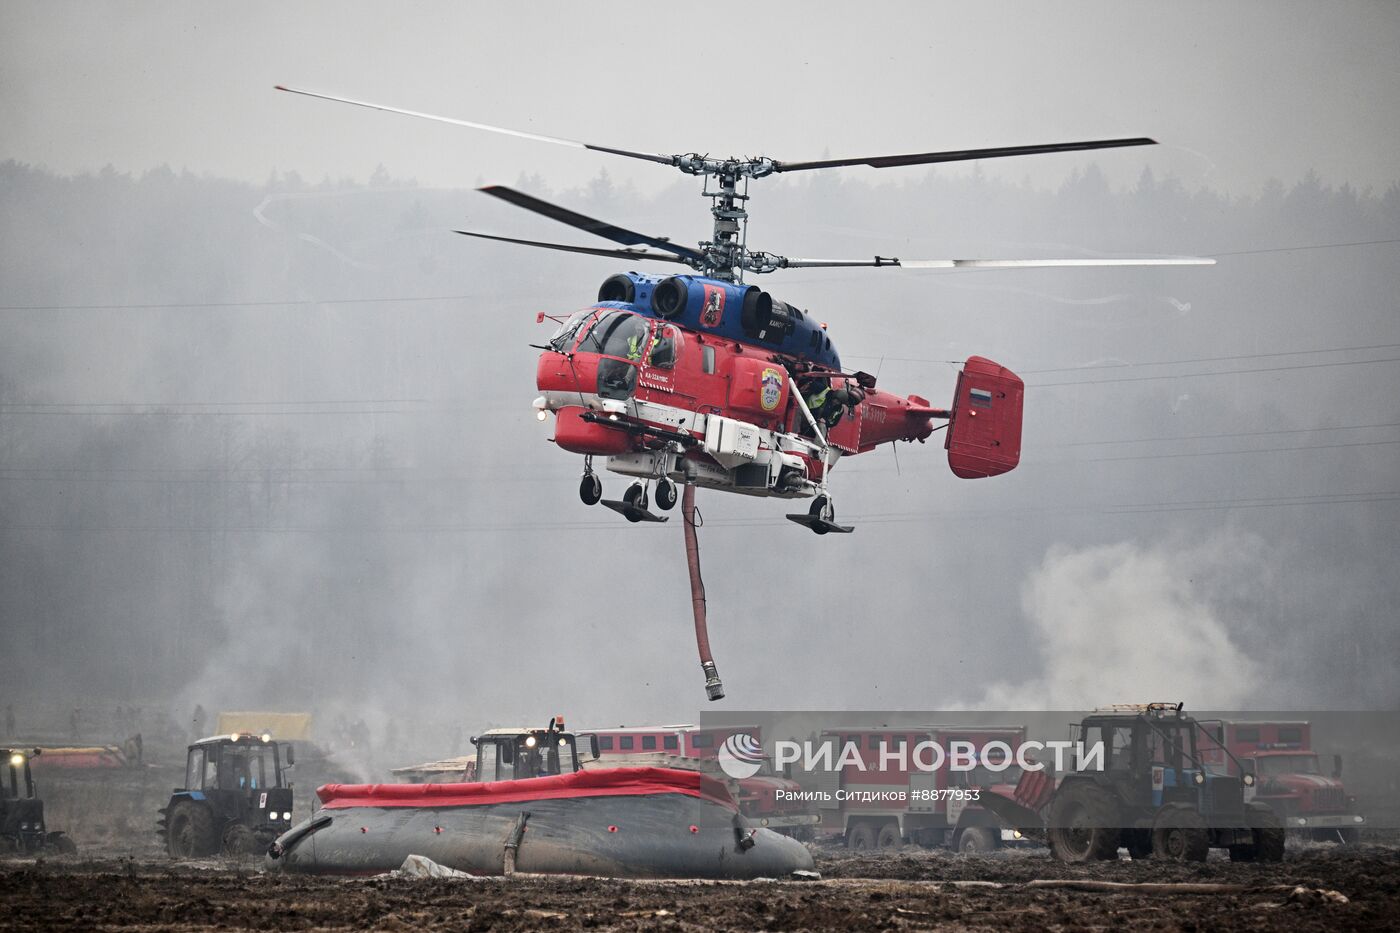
[(962, 155), (596, 227), (882, 262), (558, 141), (590, 250)]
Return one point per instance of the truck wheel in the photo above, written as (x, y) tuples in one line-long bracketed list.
[(860, 837), (977, 840), (1084, 824), (191, 833), (1180, 834), (62, 844), (889, 837), (1268, 836)]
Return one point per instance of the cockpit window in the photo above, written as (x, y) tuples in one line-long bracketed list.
[(563, 338), (617, 333), (666, 347)]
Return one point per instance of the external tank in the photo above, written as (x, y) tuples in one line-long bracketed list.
[(614, 822)]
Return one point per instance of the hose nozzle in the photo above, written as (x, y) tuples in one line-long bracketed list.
[(714, 688)]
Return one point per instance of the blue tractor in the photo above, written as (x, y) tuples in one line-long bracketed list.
[(1138, 783), (236, 798)]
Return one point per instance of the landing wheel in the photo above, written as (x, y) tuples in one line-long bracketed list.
[(823, 509), (665, 494), (636, 498), (590, 489)]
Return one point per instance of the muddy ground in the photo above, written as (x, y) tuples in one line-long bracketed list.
[(906, 890)]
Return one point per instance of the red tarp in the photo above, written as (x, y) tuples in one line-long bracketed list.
[(604, 782)]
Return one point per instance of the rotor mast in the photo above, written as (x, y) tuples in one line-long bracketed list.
[(726, 254)]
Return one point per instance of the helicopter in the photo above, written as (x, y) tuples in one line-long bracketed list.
[(703, 380), (700, 379)]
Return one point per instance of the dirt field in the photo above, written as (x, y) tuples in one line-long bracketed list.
[(909, 890)]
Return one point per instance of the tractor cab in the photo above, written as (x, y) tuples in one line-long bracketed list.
[(1151, 757), (22, 827), (235, 798), (517, 754)]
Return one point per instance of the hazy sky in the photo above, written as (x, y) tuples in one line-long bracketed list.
[(1236, 92), (1224, 536)]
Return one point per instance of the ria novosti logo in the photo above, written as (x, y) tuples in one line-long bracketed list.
[(740, 756)]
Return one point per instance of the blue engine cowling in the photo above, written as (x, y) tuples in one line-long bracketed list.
[(734, 310)]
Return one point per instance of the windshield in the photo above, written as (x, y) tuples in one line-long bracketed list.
[(1274, 765), (563, 339), (617, 333), (247, 767), (513, 758)]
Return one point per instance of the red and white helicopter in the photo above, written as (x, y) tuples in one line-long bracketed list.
[(702, 380), (699, 379)]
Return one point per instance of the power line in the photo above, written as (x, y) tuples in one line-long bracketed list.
[(608, 525), (1197, 437), (78, 409), (1198, 359), (1221, 372), (324, 401), (1214, 359), (1257, 450), (274, 303), (1298, 249), (1167, 456)]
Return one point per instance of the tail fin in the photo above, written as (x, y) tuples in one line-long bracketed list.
[(984, 436)]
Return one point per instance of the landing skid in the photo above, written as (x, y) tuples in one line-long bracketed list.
[(820, 525), (631, 512)]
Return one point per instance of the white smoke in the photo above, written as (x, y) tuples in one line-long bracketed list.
[(1131, 623)]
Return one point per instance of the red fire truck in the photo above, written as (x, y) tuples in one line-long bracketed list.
[(876, 798), (766, 798), (1287, 775)]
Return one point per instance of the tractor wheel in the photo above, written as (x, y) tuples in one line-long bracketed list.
[(63, 844), (977, 840), (860, 837), (1084, 824), (889, 837), (1180, 834), (240, 840), (1268, 836), (191, 833)]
